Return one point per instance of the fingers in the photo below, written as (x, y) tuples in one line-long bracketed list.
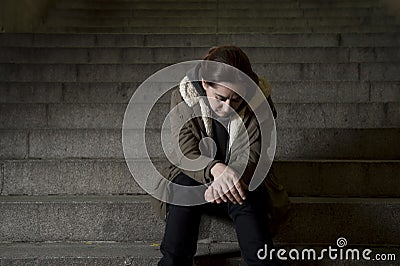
[(235, 194), (211, 195), (208, 196), (224, 191), (216, 195), (239, 188), (231, 197), (231, 193)]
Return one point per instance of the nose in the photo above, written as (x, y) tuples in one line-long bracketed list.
[(226, 105)]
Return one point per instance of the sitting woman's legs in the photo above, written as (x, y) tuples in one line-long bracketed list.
[(179, 243), (250, 221)]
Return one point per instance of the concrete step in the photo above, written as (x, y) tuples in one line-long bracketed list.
[(129, 13), (222, 30), (248, 12), (339, 178), (153, 1), (222, 1), (317, 40), (110, 116), (338, 116), (121, 92), (142, 1), (110, 253), (156, 29), (325, 178), (115, 5), (139, 72), (130, 22), (339, 4), (220, 4), (77, 72), (344, 12), (310, 143), (171, 55), (311, 29), (194, 5), (331, 92), (146, 253), (221, 23), (127, 218)]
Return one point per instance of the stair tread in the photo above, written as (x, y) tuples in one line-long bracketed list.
[(101, 249), (141, 253), (199, 40), (78, 199)]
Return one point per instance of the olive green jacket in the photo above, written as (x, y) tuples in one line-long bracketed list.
[(199, 127)]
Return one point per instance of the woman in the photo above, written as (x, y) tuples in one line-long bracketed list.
[(228, 190)]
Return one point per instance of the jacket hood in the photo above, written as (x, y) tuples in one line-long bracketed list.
[(194, 77), (191, 91)]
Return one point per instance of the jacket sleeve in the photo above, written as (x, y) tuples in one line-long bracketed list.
[(238, 160), (188, 138)]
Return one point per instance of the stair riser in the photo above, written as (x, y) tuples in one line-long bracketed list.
[(325, 223), (110, 116), (221, 5), (220, 22), (300, 178), (340, 4), (343, 179), (79, 221), (129, 221), (140, 72), (201, 40), (193, 5), (282, 92), (292, 144), (172, 55), (223, 30), (225, 13)]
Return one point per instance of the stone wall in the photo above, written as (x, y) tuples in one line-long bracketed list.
[(22, 15)]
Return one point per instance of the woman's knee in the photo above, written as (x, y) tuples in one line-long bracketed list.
[(185, 180), (254, 205)]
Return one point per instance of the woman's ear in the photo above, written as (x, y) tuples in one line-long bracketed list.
[(205, 85)]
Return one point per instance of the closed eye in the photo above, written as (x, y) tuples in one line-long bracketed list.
[(223, 99), (220, 98), (236, 100)]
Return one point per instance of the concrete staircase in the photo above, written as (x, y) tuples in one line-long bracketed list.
[(67, 196), (220, 16)]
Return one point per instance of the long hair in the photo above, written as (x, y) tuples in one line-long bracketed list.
[(230, 55)]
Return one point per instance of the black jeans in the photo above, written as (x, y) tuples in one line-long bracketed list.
[(179, 243)]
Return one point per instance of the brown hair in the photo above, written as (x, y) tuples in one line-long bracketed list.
[(230, 55)]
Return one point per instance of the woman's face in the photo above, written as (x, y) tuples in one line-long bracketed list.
[(221, 97)]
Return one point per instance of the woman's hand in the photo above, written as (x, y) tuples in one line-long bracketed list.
[(227, 185)]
